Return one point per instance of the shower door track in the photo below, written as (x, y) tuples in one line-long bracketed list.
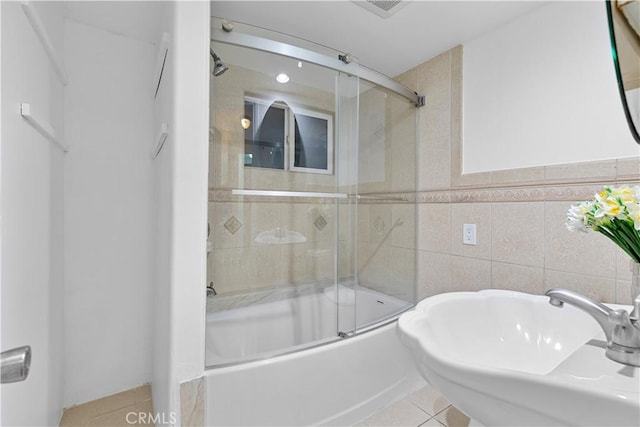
[(270, 193), (311, 194), (279, 48)]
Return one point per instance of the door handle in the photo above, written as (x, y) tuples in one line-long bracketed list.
[(15, 364)]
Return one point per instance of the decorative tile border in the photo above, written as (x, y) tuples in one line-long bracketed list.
[(497, 195), (571, 192)]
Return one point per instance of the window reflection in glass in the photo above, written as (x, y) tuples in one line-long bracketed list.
[(268, 143), (311, 142), (264, 139)]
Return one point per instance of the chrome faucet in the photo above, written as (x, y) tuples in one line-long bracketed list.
[(621, 329)]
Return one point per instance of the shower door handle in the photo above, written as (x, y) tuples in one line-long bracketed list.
[(15, 364)]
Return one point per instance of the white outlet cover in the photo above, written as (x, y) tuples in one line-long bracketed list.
[(469, 234)]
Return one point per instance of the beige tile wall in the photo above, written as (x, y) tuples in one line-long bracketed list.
[(385, 232), (386, 142), (386, 153), (238, 262), (386, 248), (192, 402), (522, 243)]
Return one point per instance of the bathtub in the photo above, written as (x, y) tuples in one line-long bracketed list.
[(335, 382)]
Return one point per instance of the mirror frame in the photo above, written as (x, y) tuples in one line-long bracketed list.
[(616, 64)]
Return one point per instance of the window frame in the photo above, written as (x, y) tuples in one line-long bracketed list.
[(289, 132)]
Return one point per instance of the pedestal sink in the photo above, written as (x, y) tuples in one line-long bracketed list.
[(511, 359)]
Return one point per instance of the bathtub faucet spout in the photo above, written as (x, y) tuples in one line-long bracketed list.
[(210, 290)]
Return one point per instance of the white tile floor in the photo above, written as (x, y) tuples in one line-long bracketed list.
[(425, 408)]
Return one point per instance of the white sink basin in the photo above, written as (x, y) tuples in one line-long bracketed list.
[(509, 358)]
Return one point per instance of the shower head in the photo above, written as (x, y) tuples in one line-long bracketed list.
[(219, 67)]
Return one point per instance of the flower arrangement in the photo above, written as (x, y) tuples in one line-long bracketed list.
[(614, 212)]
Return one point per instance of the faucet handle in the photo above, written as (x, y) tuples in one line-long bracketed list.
[(624, 333), (619, 317)]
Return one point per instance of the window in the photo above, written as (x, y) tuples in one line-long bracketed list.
[(277, 137)]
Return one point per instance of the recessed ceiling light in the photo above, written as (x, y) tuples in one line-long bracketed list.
[(282, 78)]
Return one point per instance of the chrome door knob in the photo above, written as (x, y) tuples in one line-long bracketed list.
[(15, 364)]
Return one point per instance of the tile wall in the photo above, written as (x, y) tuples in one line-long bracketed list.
[(192, 402), (522, 243), (238, 261), (383, 229), (385, 233)]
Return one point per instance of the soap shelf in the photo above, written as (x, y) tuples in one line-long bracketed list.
[(42, 127), (160, 140), (160, 62)]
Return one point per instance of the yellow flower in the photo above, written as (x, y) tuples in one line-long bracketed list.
[(634, 214), (624, 194), (610, 207), (615, 213)]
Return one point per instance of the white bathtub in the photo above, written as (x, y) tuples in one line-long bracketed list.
[(266, 323), (338, 383)]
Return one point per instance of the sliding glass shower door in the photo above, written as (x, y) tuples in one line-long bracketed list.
[(311, 203)]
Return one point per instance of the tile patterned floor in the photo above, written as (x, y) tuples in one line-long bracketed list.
[(425, 408), (131, 407)]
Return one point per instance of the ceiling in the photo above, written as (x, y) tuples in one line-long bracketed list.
[(141, 20), (418, 31)]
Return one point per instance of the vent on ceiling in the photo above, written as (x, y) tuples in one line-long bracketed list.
[(382, 8)]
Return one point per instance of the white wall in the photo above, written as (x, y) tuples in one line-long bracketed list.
[(162, 377), (191, 157), (134, 229), (542, 90), (181, 205), (31, 222), (109, 216)]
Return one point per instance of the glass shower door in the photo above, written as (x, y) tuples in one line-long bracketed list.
[(275, 164), (386, 209), (377, 221)]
